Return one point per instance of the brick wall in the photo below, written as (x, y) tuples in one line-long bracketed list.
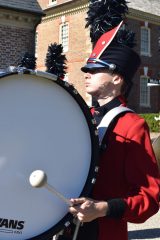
[(79, 46), (47, 3), (17, 35), (14, 42), (153, 64), (80, 49), (43, 3)]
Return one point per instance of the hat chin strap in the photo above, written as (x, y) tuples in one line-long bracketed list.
[(111, 66)]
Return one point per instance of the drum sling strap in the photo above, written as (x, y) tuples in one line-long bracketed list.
[(108, 119)]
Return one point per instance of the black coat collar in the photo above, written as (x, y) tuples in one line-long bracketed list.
[(100, 111)]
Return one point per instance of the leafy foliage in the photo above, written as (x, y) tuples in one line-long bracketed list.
[(152, 123)]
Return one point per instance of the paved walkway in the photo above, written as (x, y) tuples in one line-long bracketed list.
[(146, 231), (154, 135)]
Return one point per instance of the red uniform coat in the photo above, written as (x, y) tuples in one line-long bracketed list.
[(128, 170)]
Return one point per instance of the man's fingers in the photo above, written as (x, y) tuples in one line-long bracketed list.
[(77, 201), (73, 210)]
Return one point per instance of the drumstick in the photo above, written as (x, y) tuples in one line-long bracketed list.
[(38, 179)]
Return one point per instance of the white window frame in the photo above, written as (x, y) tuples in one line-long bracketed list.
[(36, 44), (64, 36), (52, 2), (145, 43), (144, 92)]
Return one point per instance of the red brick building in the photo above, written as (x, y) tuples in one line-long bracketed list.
[(64, 23), (66, 16), (18, 21)]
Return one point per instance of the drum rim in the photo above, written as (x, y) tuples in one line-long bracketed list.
[(92, 173)]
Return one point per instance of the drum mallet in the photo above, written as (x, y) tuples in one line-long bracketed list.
[(38, 179)]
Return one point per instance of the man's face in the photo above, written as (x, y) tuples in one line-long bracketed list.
[(98, 83)]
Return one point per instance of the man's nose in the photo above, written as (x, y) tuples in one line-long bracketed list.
[(87, 75)]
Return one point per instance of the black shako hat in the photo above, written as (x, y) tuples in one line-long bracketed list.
[(112, 43)]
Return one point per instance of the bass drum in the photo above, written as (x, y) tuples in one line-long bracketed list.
[(44, 124)]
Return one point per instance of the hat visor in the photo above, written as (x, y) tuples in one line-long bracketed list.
[(91, 66)]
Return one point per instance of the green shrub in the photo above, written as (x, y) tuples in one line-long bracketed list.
[(152, 123)]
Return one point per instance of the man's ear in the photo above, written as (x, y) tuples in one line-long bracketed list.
[(117, 79)]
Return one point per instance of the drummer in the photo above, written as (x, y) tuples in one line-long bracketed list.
[(127, 185), (127, 188)]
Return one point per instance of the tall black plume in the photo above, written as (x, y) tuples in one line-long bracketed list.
[(56, 61)]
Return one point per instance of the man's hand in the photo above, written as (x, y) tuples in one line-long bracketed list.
[(86, 209)]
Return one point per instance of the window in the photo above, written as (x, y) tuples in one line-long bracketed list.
[(51, 2), (64, 36), (145, 41), (144, 92), (36, 44)]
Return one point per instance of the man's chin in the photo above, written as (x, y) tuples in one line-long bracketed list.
[(93, 94), (90, 92)]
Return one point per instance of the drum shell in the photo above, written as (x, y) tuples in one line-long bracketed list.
[(27, 102)]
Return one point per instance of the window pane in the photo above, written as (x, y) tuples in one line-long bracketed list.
[(64, 36), (144, 92), (36, 44), (145, 41), (51, 2)]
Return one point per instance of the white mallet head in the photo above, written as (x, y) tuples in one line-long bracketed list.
[(38, 179)]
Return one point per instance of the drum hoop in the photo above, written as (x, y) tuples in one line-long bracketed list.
[(92, 173)]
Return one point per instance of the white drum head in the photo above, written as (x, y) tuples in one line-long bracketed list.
[(42, 126)]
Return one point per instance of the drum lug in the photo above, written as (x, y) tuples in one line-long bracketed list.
[(96, 169), (66, 84), (67, 224), (22, 70), (19, 70), (96, 132), (93, 180), (94, 122), (75, 91)]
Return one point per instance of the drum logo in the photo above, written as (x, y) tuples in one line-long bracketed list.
[(11, 226)]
